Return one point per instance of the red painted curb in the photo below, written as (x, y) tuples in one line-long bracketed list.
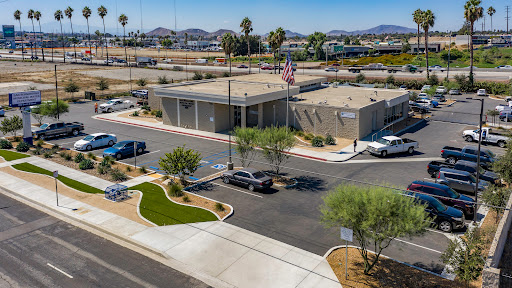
[(200, 136)]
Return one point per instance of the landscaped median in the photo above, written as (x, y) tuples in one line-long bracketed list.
[(11, 155)]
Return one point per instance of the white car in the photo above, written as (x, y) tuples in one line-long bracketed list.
[(390, 145), (425, 88), (331, 69), (441, 90), (481, 92), (95, 140), (436, 68), (503, 108), (504, 67), (116, 104), (423, 96)]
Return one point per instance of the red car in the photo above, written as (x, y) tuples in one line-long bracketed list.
[(335, 64), (267, 68)]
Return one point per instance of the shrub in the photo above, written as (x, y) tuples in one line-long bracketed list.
[(79, 158), (175, 190), (317, 142), (219, 207), (162, 80), (48, 154), (197, 76), (158, 113), (186, 199), (37, 151), (329, 140), (142, 82), (90, 155), (128, 168), (360, 78), (143, 170), (66, 156), (102, 169), (299, 133), (225, 74), (22, 147), (86, 164), (145, 112), (118, 175), (40, 143), (309, 136), (135, 113), (5, 144), (108, 160), (209, 76), (145, 107)]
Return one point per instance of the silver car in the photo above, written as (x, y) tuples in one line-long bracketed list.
[(462, 181), (248, 177)]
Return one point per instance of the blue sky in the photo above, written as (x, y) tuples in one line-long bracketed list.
[(299, 15)]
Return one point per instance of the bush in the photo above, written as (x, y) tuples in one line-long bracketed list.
[(40, 143), (158, 113), (219, 207), (145, 107), (145, 112), (108, 160), (142, 82), (22, 147), (5, 144), (225, 74), (135, 113), (186, 199), (390, 79), (47, 154), (79, 158), (143, 170), (128, 168), (360, 78), (309, 136), (37, 151), (329, 140), (66, 156), (86, 164), (175, 190), (317, 142), (90, 155), (299, 133), (197, 76), (162, 80), (102, 169), (209, 76), (118, 175)]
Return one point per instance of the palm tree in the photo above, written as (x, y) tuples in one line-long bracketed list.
[(69, 14), (102, 12), (427, 21), (280, 37), (491, 11), (228, 43), (186, 39), (17, 16), (246, 26), (37, 15), (272, 42), (135, 35), (86, 12), (30, 15), (98, 38), (472, 12), (123, 19), (58, 16), (416, 17)]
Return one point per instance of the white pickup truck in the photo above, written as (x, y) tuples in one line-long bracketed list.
[(116, 104), (391, 145), (487, 136)]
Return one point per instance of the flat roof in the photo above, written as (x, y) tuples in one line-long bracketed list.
[(238, 89), (354, 97), (300, 80)]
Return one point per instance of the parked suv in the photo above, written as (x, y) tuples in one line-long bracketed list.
[(462, 181), (446, 195), (444, 217)]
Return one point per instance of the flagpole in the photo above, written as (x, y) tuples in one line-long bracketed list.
[(287, 106)]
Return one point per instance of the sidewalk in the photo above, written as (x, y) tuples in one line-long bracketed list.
[(231, 256), (343, 155)]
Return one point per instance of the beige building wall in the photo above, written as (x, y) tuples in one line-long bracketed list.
[(155, 103), (221, 120), (187, 114), (169, 111), (206, 116)]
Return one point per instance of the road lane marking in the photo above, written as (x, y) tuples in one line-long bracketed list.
[(426, 248), (399, 160), (60, 270), (237, 190)]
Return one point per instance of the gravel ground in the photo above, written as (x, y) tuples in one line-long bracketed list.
[(124, 74), (26, 67), (12, 87)]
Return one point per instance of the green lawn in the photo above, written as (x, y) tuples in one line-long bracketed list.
[(11, 155), (158, 209), (27, 167)]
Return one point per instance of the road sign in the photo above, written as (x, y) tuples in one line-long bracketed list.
[(55, 173), (22, 99), (346, 234), (219, 166)]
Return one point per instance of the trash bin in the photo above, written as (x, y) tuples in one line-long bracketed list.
[(90, 95)]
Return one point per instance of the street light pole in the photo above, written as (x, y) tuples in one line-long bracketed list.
[(57, 92), (478, 157), (449, 50), (230, 163)]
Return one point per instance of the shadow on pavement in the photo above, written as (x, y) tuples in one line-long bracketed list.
[(310, 184)]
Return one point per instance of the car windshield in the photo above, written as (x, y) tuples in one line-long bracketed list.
[(118, 145), (258, 175), (438, 205), (110, 102), (44, 126), (383, 142), (490, 153), (89, 138), (453, 194), (472, 177), (482, 170)]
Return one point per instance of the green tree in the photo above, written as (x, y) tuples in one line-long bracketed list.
[(493, 114), (316, 40), (102, 12), (51, 109), (17, 17), (142, 82), (491, 11), (347, 40), (246, 140), (30, 15), (502, 165), (11, 125), (464, 255), (280, 37), (377, 215), (360, 78), (86, 12), (71, 87), (103, 84), (496, 197), (276, 142), (181, 162), (69, 14), (58, 16), (427, 21), (417, 17), (406, 48), (37, 16), (472, 12), (123, 19), (246, 26), (227, 44), (36, 113)]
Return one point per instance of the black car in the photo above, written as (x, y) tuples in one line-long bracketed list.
[(121, 61), (248, 177), (444, 217), (34, 58), (446, 195), (434, 166)]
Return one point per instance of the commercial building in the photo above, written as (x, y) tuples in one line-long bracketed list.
[(259, 100)]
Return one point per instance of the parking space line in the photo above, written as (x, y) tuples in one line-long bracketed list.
[(60, 270), (245, 192), (426, 248), (148, 153)]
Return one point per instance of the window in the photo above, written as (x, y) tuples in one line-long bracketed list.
[(470, 151), (243, 174), (393, 113), (258, 175), (393, 143), (59, 125), (129, 145)]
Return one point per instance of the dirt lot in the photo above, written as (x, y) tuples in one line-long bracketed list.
[(123, 74), (151, 52)]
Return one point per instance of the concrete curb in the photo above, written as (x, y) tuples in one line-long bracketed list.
[(138, 209)]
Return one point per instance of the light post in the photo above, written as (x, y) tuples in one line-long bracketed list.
[(478, 157), (449, 50), (230, 163)]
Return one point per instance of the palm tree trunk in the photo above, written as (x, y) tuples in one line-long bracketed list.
[(41, 34), (124, 44), (230, 65), (89, 36), (249, 53), (418, 50), (471, 53), (63, 42), (106, 46), (73, 35), (426, 52), (21, 36), (35, 39), (491, 24), (53, 44)]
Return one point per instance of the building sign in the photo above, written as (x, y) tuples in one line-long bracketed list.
[(8, 31), (346, 234), (348, 115), (186, 103), (22, 99), (338, 48)]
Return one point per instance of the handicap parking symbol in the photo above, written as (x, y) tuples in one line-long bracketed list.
[(219, 166)]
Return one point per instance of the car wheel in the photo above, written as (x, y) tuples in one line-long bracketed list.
[(384, 153), (131, 106), (225, 180), (502, 144), (251, 187), (410, 150), (140, 151), (89, 148), (445, 226), (452, 160), (110, 110), (118, 156), (468, 138), (42, 136), (74, 132), (110, 143)]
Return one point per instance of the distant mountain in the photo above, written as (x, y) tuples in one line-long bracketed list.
[(338, 33), (193, 32), (381, 29), (221, 32), (160, 31), (290, 34)]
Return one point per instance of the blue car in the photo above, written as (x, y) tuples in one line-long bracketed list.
[(124, 149)]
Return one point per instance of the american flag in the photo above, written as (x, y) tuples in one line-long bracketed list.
[(288, 70)]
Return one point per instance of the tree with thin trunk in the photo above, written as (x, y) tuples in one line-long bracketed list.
[(272, 42), (102, 12), (135, 35), (472, 12), (280, 36), (417, 18), (17, 16), (491, 11), (30, 15), (246, 26), (228, 43), (37, 15), (186, 40), (86, 12), (58, 16), (427, 22), (123, 19), (98, 39), (69, 14)]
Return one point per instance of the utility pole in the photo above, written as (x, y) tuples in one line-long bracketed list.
[(507, 9), (57, 93), (449, 50)]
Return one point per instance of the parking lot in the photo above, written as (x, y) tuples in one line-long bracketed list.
[(292, 215)]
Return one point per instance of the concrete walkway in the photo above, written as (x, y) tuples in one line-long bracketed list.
[(232, 256), (340, 156)]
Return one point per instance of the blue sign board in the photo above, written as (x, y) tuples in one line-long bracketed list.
[(23, 99)]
